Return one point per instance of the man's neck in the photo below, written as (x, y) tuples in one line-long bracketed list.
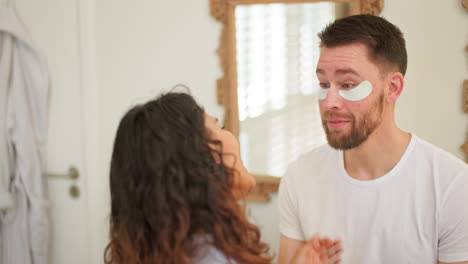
[(378, 154)]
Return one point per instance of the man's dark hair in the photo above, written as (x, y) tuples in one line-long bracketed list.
[(384, 40)]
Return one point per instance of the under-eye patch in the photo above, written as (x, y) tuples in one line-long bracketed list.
[(357, 93), (322, 93)]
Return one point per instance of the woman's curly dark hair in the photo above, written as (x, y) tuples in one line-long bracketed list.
[(167, 189)]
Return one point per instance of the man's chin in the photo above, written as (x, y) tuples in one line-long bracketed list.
[(343, 142), (334, 140), (339, 145)]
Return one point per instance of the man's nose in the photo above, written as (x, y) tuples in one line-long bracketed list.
[(333, 99)]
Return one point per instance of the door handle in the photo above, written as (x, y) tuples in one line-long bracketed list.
[(72, 174)]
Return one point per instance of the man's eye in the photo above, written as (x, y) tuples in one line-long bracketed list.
[(324, 85), (348, 85)]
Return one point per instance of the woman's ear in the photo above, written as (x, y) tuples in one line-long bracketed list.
[(395, 86)]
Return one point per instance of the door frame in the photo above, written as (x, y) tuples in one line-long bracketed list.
[(93, 180)]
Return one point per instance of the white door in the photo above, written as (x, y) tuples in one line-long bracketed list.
[(54, 26)]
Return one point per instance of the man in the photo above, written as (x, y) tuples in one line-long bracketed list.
[(390, 196)]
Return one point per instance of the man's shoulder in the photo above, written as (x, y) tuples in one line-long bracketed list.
[(317, 154), (437, 156), (443, 167), (313, 160)]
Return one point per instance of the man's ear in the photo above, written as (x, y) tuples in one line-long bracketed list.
[(396, 84)]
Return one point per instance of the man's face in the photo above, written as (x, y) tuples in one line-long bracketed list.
[(348, 124)]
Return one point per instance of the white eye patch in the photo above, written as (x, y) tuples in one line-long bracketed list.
[(357, 93), (322, 93)]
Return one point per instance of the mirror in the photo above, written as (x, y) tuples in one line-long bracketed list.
[(268, 53), (276, 51)]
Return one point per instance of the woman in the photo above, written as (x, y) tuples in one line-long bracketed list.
[(176, 178)]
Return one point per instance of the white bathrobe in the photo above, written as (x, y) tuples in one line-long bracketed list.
[(24, 223)]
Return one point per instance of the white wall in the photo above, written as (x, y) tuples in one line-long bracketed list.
[(436, 33), (145, 47)]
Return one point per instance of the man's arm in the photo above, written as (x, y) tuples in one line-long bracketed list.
[(288, 248), (453, 220)]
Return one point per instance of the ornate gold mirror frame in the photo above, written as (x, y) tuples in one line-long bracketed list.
[(224, 11)]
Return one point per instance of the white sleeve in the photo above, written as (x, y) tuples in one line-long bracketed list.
[(289, 221), (453, 221)]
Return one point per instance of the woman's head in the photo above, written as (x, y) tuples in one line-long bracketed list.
[(242, 181), (174, 174)]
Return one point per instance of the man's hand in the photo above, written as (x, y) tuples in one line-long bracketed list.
[(319, 251)]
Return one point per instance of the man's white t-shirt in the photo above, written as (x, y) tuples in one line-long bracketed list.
[(416, 213)]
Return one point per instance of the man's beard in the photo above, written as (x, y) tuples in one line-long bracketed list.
[(361, 128)]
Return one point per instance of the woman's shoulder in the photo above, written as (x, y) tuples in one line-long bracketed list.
[(207, 253)]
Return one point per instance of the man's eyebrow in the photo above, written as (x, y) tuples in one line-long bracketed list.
[(346, 71), (339, 71)]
